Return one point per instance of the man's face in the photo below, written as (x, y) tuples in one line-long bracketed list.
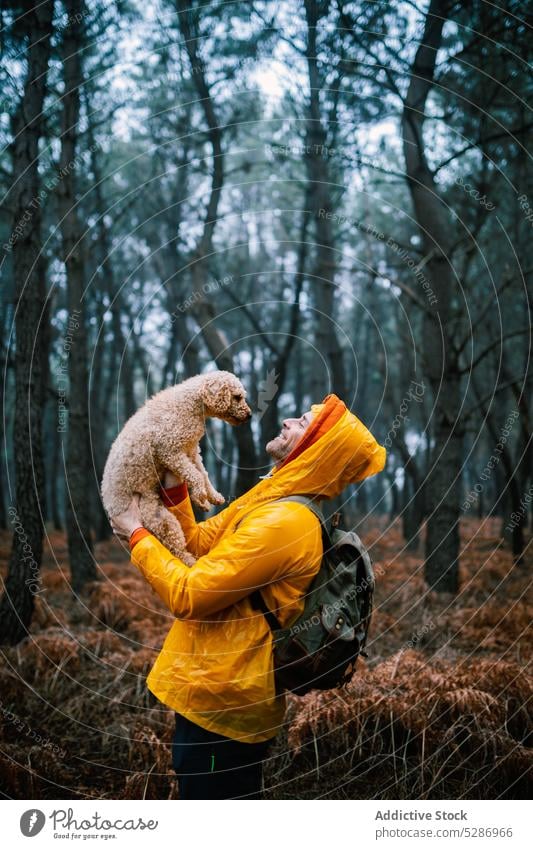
[(291, 432)]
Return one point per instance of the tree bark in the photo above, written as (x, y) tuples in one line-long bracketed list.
[(22, 582), (442, 484), (78, 462)]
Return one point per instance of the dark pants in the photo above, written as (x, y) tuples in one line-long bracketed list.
[(210, 766)]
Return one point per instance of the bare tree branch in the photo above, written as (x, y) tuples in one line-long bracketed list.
[(494, 344)]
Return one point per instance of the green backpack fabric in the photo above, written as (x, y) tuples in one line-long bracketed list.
[(320, 649)]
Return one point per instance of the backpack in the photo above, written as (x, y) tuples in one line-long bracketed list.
[(320, 649)]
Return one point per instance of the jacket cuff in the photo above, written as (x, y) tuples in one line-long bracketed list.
[(174, 495), (137, 535)]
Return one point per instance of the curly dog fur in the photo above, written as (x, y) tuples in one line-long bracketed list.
[(165, 434)]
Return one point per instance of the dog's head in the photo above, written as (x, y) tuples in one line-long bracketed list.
[(224, 398)]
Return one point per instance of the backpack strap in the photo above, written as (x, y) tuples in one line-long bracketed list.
[(258, 602), (308, 501)]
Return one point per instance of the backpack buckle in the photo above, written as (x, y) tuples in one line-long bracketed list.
[(336, 520)]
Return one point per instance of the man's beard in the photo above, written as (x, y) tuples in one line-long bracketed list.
[(277, 448)]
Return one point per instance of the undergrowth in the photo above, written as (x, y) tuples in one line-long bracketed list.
[(441, 708)]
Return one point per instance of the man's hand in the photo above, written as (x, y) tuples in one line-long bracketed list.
[(125, 523), (170, 479)]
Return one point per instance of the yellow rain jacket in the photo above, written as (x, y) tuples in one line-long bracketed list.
[(215, 667)]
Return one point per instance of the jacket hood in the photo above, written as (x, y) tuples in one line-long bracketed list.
[(336, 450)]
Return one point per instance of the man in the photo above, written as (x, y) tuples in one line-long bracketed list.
[(215, 669)]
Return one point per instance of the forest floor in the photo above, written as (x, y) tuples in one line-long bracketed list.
[(440, 709)]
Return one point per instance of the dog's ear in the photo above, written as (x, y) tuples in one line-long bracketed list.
[(216, 393)]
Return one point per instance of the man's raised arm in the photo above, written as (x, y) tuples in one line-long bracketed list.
[(265, 548)]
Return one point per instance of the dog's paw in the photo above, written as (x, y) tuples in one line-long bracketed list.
[(216, 497), (187, 558), (201, 499)]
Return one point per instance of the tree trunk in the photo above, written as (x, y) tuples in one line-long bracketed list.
[(441, 489), (326, 341), (6, 318), (513, 524), (203, 309), (412, 515), (395, 496), (54, 482), (413, 509), (22, 582), (98, 407), (78, 466), (119, 359), (275, 384)]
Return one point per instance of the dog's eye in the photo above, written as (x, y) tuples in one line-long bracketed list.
[(237, 397)]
